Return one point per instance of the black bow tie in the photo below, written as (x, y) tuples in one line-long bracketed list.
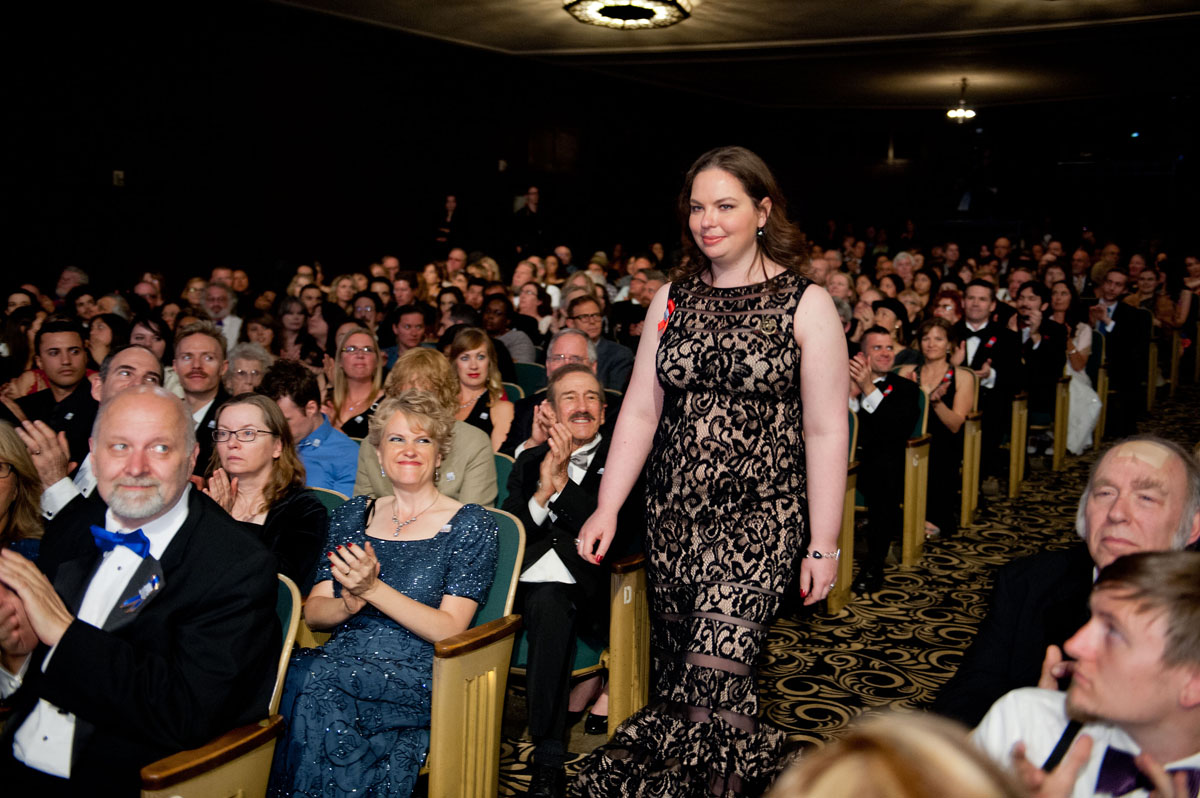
[(974, 334), (1120, 775)]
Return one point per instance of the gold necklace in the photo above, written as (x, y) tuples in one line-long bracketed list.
[(401, 524)]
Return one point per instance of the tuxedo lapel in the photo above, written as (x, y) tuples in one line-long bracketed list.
[(143, 587), (591, 480), (72, 579)]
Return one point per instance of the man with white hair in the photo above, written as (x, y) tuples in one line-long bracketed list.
[(153, 626), (1142, 495)]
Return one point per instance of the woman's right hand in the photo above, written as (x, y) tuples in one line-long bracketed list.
[(596, 536), (222, 489)]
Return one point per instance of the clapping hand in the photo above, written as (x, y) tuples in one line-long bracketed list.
[(1059, 782), (50, 452), (222, 489), (986, 371), (937, 393), (861, 379), (552, 474), (356, 569), (17, 637), (543, 420), (46, 613)]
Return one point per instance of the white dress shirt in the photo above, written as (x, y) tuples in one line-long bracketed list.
[(972, 347), (58, 495), (1037, 718), (44, 741), (549, 567), (871, 401)]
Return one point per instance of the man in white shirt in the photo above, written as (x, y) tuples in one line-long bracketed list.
[(1134, 694), (220, 301), (553, 490), (200, 363), (134, 644)]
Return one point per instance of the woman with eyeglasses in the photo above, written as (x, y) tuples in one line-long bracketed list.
[(257, 477), (481, 399), (357, 382)]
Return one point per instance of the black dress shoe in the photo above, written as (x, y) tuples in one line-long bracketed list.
[(595, 724), (548, 782), (868, 581)]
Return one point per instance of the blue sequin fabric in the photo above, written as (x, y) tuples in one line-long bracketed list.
[(358, 707)]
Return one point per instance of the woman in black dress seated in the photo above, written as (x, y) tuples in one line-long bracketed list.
[(357, 382), (950, 391), (403, 572), (259, 480), (482, 402)]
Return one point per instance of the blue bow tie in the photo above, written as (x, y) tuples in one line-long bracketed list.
[(136, 541), (1119, 775)]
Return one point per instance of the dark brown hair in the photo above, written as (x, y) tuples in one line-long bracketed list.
[(781, 241)]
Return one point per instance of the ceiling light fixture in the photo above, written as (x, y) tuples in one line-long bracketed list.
[(961, 113), (629, 14)]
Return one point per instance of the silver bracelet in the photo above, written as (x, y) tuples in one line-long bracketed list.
[(820, 555)]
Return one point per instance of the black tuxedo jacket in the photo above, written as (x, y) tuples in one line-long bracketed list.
[(195, 659), (572, 508), (1044, 365), (205, 430), (883, 434), (1038, 601), (1126, 346), (73, 415), (1003, 347)]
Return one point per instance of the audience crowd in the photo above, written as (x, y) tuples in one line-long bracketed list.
[(280, 386)]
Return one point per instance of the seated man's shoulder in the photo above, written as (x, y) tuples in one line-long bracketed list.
[(1048, 567)]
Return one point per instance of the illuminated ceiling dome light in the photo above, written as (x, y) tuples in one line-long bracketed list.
[(961, 113), (629, 14)]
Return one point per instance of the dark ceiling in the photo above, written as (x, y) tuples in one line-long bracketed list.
[(840, 53)]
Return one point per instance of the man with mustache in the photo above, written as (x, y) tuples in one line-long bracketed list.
[(553, 489), (200, 364), (152, 628)]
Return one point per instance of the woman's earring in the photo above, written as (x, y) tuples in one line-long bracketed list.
[(760, 233), (437, 474), (382, 473)]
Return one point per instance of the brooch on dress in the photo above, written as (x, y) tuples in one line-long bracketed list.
[(767, 324), (662, 325)]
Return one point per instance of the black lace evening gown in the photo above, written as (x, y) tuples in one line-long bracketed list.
[(726, 519)]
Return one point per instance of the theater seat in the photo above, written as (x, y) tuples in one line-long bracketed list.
[(916, 485), (972, 452), (840, 595), (238, 762), (626, 655)]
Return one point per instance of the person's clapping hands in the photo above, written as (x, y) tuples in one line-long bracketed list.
[(222, 489), (861, 379), (46, 613), (552, 474), (356, 569), (17, 638)]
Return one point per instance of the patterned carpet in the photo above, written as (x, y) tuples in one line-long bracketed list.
[(896, 648)]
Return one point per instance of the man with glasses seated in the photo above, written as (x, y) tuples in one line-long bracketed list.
[(614, 363), (532, 418)]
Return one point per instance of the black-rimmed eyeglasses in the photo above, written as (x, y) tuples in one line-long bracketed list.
[(243, 435)]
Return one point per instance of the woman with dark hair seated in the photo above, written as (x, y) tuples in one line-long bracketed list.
[(403, 572), (260, 328), (20, 496), (256, 475), (155, 334), (106, 332), (950, 392), (293, 341)]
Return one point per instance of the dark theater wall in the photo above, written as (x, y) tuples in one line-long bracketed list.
[(264, 136)]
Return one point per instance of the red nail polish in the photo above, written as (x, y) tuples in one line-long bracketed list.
[(329, 554), (803, 594), (339, 548)]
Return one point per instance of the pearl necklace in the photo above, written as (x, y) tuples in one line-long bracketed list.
[(401, 524)]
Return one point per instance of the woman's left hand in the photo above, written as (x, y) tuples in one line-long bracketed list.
[(817, 578), (356, 569), (222, 489)]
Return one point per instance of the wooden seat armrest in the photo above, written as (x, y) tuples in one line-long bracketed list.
[(1064, 380), (184, 765), (920, 440), (852, 468), (974, 415), (1021, 396), (477, 637), (625, 565)]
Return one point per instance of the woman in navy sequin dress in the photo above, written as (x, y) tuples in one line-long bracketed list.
[(403, 572)]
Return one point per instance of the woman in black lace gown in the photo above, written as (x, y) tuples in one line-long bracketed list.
[(739, 416)]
